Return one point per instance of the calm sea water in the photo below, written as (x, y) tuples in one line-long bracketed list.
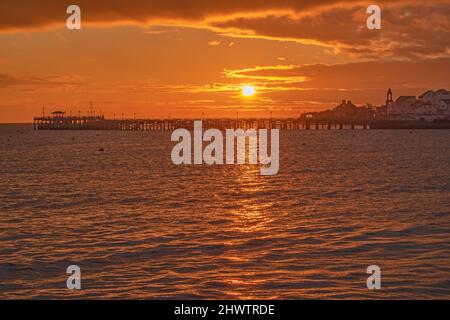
[(140, 227)]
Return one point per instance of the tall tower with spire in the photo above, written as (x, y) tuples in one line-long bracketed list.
[(389, 96), (389, 102)]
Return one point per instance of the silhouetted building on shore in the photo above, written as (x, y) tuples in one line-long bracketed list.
[(429, 106), (345, 111)]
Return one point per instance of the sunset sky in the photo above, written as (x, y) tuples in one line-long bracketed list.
[(188, 57)]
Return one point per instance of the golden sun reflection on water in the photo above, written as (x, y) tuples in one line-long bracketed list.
[(252, 215), (252, 219)]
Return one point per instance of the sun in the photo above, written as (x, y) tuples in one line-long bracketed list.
[(248, 90)]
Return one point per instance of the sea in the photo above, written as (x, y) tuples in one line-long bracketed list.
[(139, 227)]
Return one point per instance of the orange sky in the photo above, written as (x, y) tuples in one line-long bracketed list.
[(189, 57)]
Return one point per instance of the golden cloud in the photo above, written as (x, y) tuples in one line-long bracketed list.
[(410, 28)]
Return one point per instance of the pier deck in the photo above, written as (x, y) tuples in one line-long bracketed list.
[(100, 123)]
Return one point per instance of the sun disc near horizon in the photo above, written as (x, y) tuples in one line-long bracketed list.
[(248, 90)]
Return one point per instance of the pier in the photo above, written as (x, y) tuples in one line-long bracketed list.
[(58, 121)]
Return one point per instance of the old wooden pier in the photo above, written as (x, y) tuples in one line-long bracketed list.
[(59, 121)]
